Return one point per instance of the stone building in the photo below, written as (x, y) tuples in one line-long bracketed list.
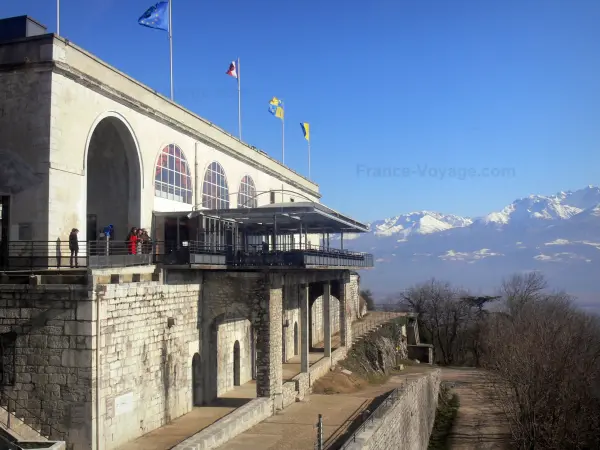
[(238, 278)]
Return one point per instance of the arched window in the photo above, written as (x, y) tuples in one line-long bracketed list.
[(215, 192), (247, 193), (172, 178)]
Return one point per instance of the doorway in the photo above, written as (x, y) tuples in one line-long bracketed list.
[(295, 338), (4, 229), (196, 380), (236, 363)]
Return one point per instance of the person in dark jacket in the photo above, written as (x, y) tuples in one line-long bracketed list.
[(74, 247)]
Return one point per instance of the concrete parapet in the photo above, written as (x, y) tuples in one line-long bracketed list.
[(406, 423), (240, 420)]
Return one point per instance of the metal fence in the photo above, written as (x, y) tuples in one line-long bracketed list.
[(26, 255), (372, 321), (379, 412)]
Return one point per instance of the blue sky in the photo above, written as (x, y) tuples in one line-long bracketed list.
[(423, 86)]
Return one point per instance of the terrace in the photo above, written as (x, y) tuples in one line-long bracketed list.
[(278, 235)]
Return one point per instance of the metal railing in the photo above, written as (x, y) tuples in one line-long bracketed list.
[(26, 255), (11, 405), (371, 321), (378, 413), (298, 255)]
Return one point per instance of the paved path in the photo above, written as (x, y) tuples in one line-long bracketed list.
[(479, 425), (294, 427)]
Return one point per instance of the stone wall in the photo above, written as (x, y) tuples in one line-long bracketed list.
[(353, 293), (53, 358), (228, 334), (407, 424), (148, 337), (316, 318)]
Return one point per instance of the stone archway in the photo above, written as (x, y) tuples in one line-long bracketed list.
[(114, 181)]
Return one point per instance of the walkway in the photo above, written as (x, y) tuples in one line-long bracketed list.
[(294, 427), (479, 425), (200, 417), (165, 437)]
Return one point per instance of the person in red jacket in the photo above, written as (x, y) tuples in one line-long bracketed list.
[(132, 239)]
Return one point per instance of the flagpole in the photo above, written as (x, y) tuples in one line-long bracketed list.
[(171, 44), (309, 156), (58, 17), (239, 79), (282, 145)]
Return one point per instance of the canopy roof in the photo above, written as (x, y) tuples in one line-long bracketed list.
[(289, 217)]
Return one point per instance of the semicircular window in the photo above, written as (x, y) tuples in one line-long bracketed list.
[(247, 193), (215, 191), (172, 178)]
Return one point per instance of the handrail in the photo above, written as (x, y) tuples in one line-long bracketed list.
[(387, 403), (42, 421)]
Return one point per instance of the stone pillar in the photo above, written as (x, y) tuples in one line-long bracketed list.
[(304, 327), (327, 318), (345, 312), (269, 333)]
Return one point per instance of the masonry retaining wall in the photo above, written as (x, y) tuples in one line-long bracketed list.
[(408, 423)]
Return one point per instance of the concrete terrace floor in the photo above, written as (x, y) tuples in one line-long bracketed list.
[(168, 436), (294, 428)]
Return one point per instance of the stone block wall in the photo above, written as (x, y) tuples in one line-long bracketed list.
[(407, 424), (53, 358), (228, 334), (316, 318), (353, 294), (148, 337)]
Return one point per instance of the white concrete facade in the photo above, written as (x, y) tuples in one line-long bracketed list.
[(61, 113)]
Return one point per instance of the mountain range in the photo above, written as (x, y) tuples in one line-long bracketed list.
[(558, 235)]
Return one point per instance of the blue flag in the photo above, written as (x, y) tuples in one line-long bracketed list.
[(156, 16)]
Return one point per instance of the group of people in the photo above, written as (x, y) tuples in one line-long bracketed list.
[(138, 241)]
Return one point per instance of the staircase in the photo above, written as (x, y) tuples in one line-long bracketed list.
[(15, 434)]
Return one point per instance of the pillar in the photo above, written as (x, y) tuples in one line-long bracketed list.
[(345, 312), (304, 328), (269, 338), (327, 318)]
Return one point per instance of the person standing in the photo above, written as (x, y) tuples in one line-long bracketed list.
[(74, 247), (132, 239)]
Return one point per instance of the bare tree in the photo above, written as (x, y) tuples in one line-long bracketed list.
[(442, 314), (543, 356)]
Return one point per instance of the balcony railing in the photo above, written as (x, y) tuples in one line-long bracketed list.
[(27, 255), (291, 255)]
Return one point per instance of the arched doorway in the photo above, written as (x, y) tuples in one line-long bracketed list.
[(236, 363), (113, 179), (196, 380), (295, 338)]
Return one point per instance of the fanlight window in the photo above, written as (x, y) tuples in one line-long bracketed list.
[(247, 193), (172, 178), (215, 191)]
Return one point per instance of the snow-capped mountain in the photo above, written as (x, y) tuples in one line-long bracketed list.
[(558, 234), (422, 222)]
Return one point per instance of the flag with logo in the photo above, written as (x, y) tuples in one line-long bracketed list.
[(276, 107)]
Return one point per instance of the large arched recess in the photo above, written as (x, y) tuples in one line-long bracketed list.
[(114, 177)]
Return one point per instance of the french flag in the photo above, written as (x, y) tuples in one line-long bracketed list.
[(232, 72)]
